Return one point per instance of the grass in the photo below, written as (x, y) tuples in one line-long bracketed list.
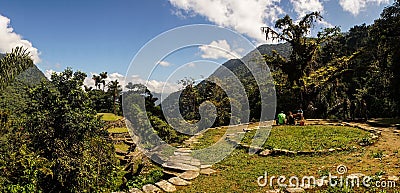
[(118, 130), (121, 146), (239, 171), (297, 138), (306, 138), (109, 116)]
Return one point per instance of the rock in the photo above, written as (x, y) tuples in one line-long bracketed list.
[(205, 166), (294, 190), (150, 188), (179, 181), (266, 152), (166, 186), (173, 173), (189, 175), (393, 178), (135, 190), (331, 150), (179, 166), (207, 171)]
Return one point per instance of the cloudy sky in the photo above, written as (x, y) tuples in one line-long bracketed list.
[(104, 35)]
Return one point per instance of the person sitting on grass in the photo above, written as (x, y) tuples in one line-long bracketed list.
[(281, 118), (291, 120)]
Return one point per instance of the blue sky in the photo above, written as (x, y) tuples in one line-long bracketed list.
[(104, 35)]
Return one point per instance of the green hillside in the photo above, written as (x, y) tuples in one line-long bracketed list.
[(15, 97)]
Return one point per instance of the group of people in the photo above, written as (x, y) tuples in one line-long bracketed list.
[(290, 118)]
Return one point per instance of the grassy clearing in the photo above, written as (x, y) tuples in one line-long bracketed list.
[(109, 116), (121, 146), (118, 130), (210, 137), (239, 171), (306, 138), (297, 138)]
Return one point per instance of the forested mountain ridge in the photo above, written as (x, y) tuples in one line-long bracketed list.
[(15, 96), (334, 75)]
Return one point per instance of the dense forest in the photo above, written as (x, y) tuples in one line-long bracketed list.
[(53, 141)]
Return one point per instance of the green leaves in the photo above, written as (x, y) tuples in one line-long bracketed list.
[(12, 64)]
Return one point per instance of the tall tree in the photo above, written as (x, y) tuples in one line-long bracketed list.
[(115, 89), (302, 60)]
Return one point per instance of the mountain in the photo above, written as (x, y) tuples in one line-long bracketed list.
[(240, 70), (14, 98), (226, 75)]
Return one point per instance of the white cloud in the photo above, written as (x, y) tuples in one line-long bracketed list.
[(9, 40), (303, 7), (355, 6), (48, 73), (244, 16), (153, 85), (218, 49), (164, 63)]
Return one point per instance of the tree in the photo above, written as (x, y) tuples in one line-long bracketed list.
[(65, 130), (103, 76), (302, 60), (115, 89), (97, 81), (12, 64)]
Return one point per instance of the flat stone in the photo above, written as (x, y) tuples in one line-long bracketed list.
[(135, 190), (179, 181), (189, 175), (207, 171), (294, 190), (172, 172), (184, 150), (195, 163), (177, 153), (205, 166), (166, 186), (265, 152), (179, 166), (150, 188)]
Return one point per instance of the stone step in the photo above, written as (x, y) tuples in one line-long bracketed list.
[(179, 181), (166, 186), (179, 166), (150, 188), (189, 175)]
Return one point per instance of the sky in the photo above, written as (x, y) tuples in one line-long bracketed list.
[(132, 39)]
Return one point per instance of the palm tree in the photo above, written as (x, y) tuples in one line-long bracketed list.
[(97, 81), (12, 64), (115, 88), (103, 76)]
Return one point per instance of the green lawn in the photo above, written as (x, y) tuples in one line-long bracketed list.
[(121, 146), (118, 130), (239, 171), (306, 138), (109, 117), (297, 138)]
